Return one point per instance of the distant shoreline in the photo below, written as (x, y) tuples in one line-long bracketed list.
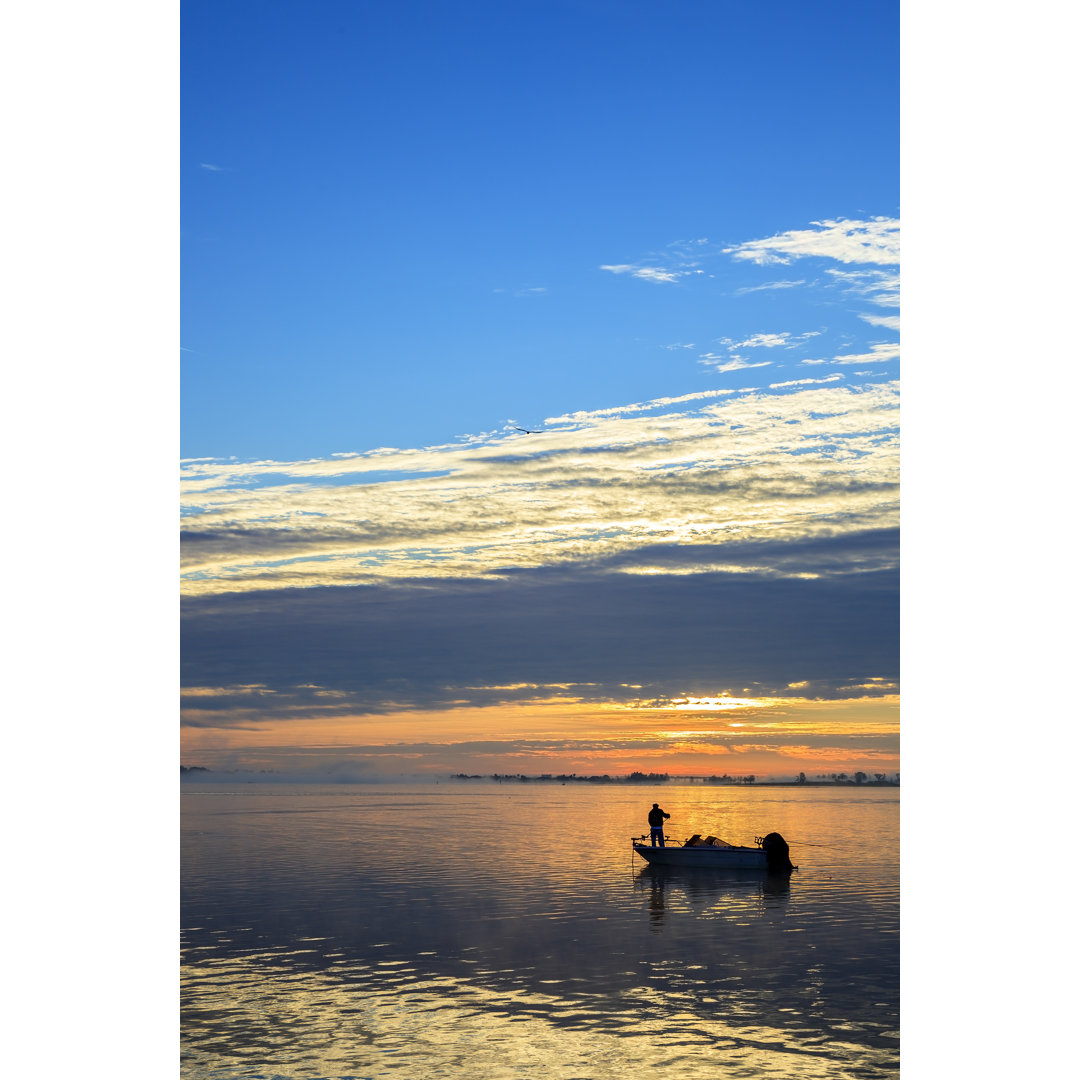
[(675, 781), (199, 772)]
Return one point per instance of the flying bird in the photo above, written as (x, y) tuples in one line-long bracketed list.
[(528, 431)]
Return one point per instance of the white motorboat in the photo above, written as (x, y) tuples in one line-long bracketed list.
[(770, 853)]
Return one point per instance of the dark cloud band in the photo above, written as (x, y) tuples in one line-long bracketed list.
[(434, 644)]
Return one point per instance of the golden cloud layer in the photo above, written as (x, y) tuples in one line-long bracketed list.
[(750, 467)]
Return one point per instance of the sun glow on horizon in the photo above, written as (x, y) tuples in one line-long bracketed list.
[(769, 737), (717, 704)]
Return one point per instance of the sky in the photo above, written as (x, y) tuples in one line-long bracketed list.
[(540, 388)]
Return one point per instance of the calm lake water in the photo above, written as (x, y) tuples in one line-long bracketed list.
[(474, 929)]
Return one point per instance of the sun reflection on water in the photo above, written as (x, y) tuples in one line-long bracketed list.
[(348, 1022), (434, 933)]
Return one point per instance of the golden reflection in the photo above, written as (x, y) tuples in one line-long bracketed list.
[(335, 1026)]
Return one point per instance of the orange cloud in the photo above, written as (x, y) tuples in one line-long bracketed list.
[(564, 736)]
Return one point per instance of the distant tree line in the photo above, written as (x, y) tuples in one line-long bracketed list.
[(567, 778), (880, 779), (856, 778)]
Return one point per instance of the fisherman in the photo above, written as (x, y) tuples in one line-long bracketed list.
[(656, 825)]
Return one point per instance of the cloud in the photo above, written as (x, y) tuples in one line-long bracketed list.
[(690, 470), (879, 286), (729, 363), (877, 354), (211, 168), (616, 411), (822, 610), (658, 268), (769, 285), (761, 341), (874, 241), (880, 353), (648, 273), (402, 604), (805, 382), (889, 322), (787, 734), (770, 341)]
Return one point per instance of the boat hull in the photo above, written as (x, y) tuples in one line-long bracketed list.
[(728, 858)]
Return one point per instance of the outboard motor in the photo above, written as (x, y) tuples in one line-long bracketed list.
[(776, 853)]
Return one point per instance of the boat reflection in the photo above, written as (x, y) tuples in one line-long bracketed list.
[(716, 893)]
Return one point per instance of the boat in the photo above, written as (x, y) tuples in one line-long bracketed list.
[(769, 853)]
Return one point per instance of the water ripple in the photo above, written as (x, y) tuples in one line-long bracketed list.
[(313, 950)]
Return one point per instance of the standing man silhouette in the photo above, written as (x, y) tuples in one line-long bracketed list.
[(656, 825)]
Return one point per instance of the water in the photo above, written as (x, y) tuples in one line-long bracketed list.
[(507, 931)]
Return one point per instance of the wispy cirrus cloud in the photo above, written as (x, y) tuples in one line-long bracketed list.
[(805, 382), (678, 260), (649, 273), (731, 362), (875, 241), (769, 285), (770, 341), (879, 286), (888, 322), (760, 341), (880, 353), (734, 361), (655, 405)]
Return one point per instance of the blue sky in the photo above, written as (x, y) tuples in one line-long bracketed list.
[(396, 218)]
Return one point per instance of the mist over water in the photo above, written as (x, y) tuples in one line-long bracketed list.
[(506, 930)]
